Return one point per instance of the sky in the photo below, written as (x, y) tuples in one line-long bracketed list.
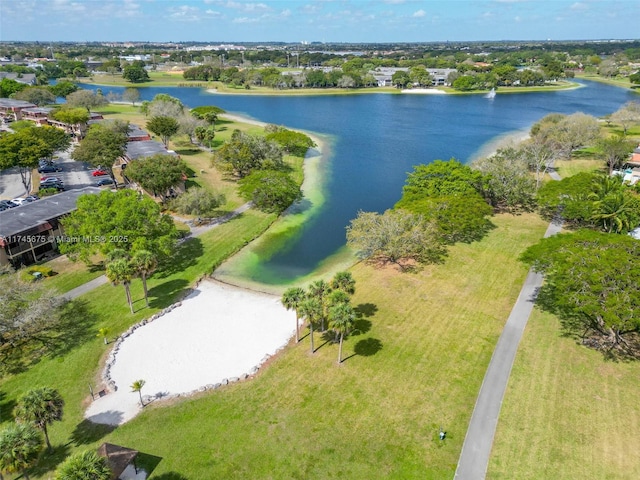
[(349, 21)]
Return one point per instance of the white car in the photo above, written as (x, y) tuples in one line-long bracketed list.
[(19, 201)]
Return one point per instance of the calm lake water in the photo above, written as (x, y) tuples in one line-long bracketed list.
[(375, 140)]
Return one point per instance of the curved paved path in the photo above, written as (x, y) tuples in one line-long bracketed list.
[(476, 449)]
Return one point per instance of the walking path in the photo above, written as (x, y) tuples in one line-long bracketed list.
[(476, 449), (195, 231)]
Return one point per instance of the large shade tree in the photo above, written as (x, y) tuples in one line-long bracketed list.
[(85, 465), (271, 191), (20, 446), (244, 153), (163, 126), (23, 151), (87, 99), (40, 407), (592, 284), (157, 174), (101, 147), (117, 220)]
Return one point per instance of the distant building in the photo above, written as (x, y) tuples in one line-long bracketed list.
[(26, 78), (11, 109)]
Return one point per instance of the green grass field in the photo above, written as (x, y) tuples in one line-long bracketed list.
[(420, 355), (567, 413)]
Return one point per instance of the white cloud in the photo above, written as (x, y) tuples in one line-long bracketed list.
[(517, 19), (418, 14), (185, 13), (579, 6), (245, 20), (394, 2)]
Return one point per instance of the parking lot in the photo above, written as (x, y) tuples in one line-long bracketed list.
[(73, 175)]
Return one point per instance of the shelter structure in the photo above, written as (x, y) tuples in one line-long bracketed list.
[(118, 458)]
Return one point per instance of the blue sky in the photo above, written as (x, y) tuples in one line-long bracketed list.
[(316, 20)]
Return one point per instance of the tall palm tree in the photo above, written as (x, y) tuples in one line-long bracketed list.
[(137, 387), (311, 308), (20, 445), (292, 299), (336, 297), (145, 263), (119, 272), (320, 290), (40, 407), (341, 321), (616, 213), (87, 465), (344, 281)]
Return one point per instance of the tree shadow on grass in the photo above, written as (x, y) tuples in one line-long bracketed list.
[(186, 255), (49, 460), (366, 310), (367, 347), (165, 294), (87, 432), (188, 151), (170, 476), (6, 407)]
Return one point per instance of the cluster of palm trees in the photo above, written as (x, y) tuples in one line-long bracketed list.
[(615, 207), (122, 267), (21, 442), (324, 305)]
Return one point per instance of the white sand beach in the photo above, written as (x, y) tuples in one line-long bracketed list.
[(219, 332)]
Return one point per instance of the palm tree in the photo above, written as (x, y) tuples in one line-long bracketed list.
[(344, 281), (292, 299), (40, 407), (137, 387), (145, 263), (119, 272), (341, 321), (336, 297), (319, 290), (87, 465), (311, 308), (20, 445), (616, 213)]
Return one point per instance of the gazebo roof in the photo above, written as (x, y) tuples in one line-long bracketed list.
[(118, 458)]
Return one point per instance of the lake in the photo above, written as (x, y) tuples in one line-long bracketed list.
[(374, 140)]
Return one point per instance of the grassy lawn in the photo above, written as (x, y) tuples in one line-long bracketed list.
[(420, 356), (567, 412), (69, 275)]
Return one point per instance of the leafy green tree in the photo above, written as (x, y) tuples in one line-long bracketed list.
[(24, 151), (55, 138), (569, 196), (615, 150), (117, 220), (509, 185), (40, 407), (135, 74), (164, 105), (441, 179), (397, 237), (270, 191), (137, 387), (63, 88), (120, 272), (465, 83), (144, 263), (627, 116), (205, 135), (39, 96), (244, 153), (294, 143), (208, 113), (9, 87), (86, 465), (158, 173), (566, 133), (292, 299), (590, 283), (101, 147), (341, 321), (539, 152), (20, 446), (164, 127), (634, 78), (86, 99), (401, 79), (198, 201), (71, 115)]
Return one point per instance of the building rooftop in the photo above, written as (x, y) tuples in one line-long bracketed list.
[(20, 219), (11, 103), (146, 148)]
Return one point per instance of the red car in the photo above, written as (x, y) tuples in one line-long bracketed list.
[(98, 172)]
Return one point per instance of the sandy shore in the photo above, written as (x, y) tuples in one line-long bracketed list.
[(219, 332)]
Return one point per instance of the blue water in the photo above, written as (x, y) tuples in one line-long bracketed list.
[(377, 139)]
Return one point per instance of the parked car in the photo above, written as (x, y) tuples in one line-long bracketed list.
[(32, 198), (51, 180), (104, 181), (20, 201), (98, 172), (4, 204), (49, 168)]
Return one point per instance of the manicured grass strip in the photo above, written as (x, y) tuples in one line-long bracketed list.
[(568, 413), (420, 358)]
